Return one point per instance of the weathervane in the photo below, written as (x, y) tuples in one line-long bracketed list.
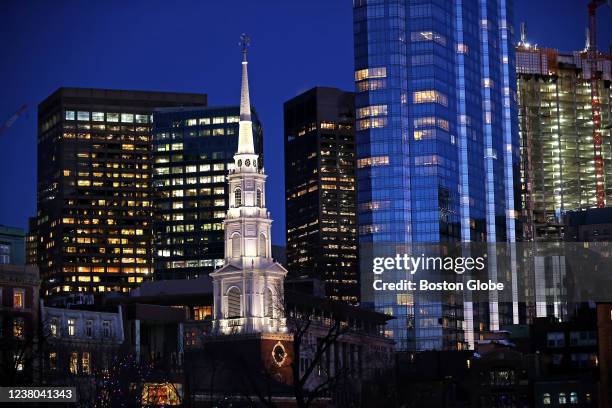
[(245, 41)]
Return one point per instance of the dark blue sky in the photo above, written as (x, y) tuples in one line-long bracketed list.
[(191, 46)]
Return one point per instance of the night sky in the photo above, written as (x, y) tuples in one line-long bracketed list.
[(192, 46)]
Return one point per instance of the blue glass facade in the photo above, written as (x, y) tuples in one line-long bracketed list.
[(437, 138)]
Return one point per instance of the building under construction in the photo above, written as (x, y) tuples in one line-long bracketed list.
[(566, 147)]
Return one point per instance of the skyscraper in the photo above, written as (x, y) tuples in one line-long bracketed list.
[(437, 139), (193, 150), (556, 127), (320, 190), (94, 187)]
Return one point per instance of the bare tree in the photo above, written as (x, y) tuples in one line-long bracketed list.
[(314, 338)]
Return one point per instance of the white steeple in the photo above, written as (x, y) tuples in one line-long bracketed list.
[(248, 289), (245, 132)]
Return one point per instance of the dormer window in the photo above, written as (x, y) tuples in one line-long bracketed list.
[(237, 197)]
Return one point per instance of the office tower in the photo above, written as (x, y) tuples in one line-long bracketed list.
[(31, 243), (94, 187), (437, 142), (12, 245), (320, 190), (193, 150), (556, 127)]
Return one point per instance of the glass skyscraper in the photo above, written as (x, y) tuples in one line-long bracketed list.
[(437, 139)]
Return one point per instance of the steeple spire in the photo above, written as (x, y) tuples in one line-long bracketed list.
[(245, 132)]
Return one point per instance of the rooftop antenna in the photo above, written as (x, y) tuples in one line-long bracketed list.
[(523, 32)]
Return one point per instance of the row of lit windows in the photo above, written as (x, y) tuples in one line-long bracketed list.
[(216, 226), (373, 72), (429, 97), (110, 117), (371, 123), (428, 36), (431, 121), (195, 263), (372, 110), (207, 121), (202, 132), (373, 161), (106, 137), (106, 269)]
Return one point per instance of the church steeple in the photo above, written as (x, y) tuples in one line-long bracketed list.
[(245, 132), (250, 284)]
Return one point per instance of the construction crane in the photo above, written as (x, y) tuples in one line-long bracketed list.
[(592, 57)]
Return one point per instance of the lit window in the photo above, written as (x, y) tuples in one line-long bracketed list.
[(373, 161), (201, 312), (142, 118), (546, 400), (191, 122), (74, 362), (70, 115), (218, 120), (428, 36), (127, 117), (18, 327), (18, 298), (83, 116), (375, 72), (373, 110), (430, 96), (71, 327), (97, 116), (54, 327), (562, 398), (52, 360), (112, 117), (85, 362), (573, 397), (233, 119), (462, 48), (204, 121)]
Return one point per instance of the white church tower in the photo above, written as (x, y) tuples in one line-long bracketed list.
[(248, 289)]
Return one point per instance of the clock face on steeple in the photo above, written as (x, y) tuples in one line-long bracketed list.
[(247, 162), (279, 354)]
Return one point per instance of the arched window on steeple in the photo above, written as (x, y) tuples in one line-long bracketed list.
[(234, 308), (259, 198), (268, 303), (262, 245), (236, 246), (237, 197)]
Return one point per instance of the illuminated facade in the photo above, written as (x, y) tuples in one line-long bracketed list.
[(248, 291), (437, 142), (320, 191), (94, 187), (193, 150), (556, 129)]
